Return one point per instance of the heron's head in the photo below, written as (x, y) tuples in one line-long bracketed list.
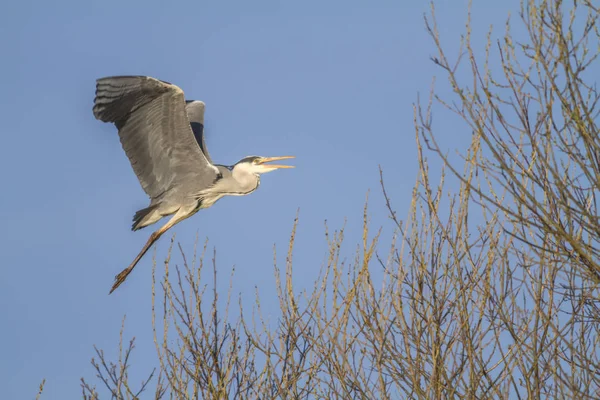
[(258, 165)]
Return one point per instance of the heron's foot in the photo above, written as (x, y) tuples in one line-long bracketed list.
[(120, 278)]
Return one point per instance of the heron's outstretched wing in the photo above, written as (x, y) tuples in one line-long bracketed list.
[(195, 112), (155, 132)]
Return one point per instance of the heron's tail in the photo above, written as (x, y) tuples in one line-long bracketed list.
[(144, 217)]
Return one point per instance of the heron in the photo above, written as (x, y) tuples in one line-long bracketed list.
[(162, 135)]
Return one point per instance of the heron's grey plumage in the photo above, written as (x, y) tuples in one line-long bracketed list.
[(163, 137)]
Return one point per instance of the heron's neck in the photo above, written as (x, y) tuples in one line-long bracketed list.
[(246, 181)]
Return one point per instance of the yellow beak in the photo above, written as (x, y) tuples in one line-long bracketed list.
[(269, 159)]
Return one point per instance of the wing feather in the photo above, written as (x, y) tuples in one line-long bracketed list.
[(195, 111), (155, 132)]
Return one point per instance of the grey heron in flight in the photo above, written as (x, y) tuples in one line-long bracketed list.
[(163, 137)]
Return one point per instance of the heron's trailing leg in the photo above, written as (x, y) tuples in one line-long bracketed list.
[(181, 214)]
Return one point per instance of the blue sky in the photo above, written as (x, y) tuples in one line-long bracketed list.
[(332, 83)]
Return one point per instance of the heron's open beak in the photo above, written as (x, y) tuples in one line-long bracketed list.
[(269, 159)]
